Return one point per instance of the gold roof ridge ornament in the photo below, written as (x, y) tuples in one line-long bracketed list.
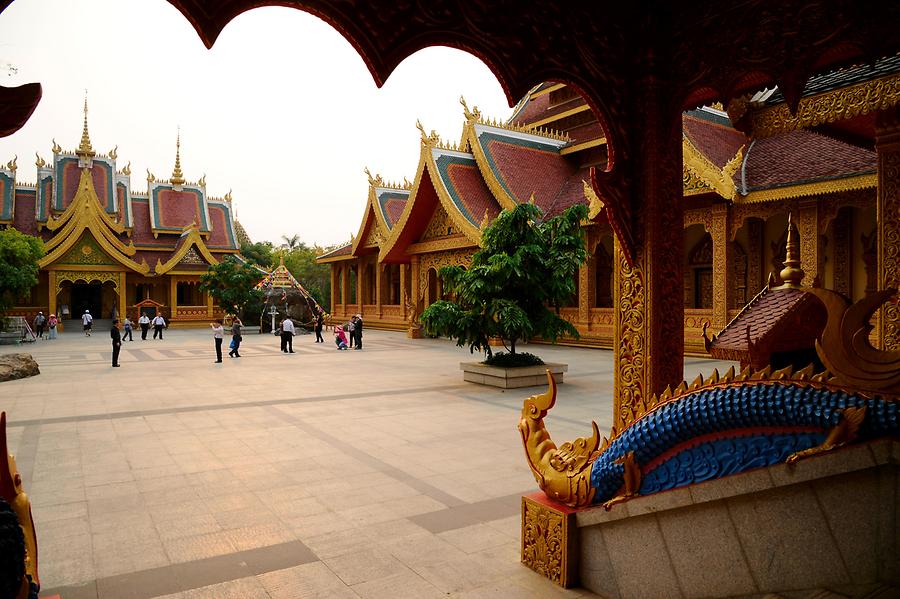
[(11, 165), (114, 152), (39, 162), (127, 170), (792, 273), (56, 147), (177, 178), (428, 139), (85, 151), (374, 181), (474, 116)]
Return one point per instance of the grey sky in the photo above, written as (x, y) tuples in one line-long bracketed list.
[(282, 110)]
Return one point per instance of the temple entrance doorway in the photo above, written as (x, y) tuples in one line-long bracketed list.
[(86, 296)]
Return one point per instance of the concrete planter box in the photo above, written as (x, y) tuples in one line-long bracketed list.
[(511, 378)]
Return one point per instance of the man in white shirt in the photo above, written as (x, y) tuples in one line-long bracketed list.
[(144, 321), (287, 336), (86, 321), (159, 323)]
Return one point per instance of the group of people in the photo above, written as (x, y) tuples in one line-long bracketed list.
[(50, 323), (158, 322), (353, 328), (218, 328)]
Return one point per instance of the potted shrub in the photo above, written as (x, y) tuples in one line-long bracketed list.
[(512, 292)]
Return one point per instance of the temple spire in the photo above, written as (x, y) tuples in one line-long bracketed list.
[(85, 151), (792, 274), (177, 177)]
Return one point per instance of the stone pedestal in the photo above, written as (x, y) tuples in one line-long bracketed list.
[(827, 524), (512, 378), (414, 332)]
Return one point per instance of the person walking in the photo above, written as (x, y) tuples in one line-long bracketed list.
[(86, 322), (144, 321), (218, 335), (236, 337), (39, 322), (116, 342), (159, 323), (320, 322), (51, 324), (357, 330), (128, 330), (287, 336)]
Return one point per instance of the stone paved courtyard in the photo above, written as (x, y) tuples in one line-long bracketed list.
[(376, 473)]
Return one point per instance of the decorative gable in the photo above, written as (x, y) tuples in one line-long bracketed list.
[(440, 225), (88, 252), (193, 257)]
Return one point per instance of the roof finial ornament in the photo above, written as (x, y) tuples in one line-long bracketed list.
[(227, 197), (11, 165), (792, 274), (177, 177), (375, 181), (56, 147), (114, 153), (40, 161), (471, 115), (85, 151), (202, 181), (429, 139), (127, 170), (150, 176)]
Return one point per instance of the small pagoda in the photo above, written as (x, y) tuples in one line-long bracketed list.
[(282, 288), (779, 326)]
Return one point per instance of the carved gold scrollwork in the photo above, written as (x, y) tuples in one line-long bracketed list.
[(438, 260), (74, 276), (544, 541)]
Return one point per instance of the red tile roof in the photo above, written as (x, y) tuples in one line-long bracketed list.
[(142, 234), (803, 156), (473, 192), (533, 110), (717, 142), (762, 315), (23, 216)]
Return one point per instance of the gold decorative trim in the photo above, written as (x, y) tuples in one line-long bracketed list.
[(718, 179), (868, 181), (88, 276), (193, 239), (560, 116), (506, 201), (547, 536), (594, 143), (474, 117), (547, 90), (452, 242), (828, 107), (85, 214)]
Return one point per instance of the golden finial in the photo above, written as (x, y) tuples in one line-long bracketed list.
[(56, 148), (113, 153), (150, 176), (531, 199), (202, 181), (40, 161), (484, 221), (177, 177), (421, 131), (227, 197), (11, 165), (84, 148), (406, 183), (471, 115), (792, 274), (375, 181), (127, 169)]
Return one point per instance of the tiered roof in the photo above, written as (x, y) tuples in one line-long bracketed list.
[(83, 193)]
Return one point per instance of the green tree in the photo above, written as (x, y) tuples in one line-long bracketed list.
[(231, 283), (259, 253), (19, 255), (292, 242), (526, 267)]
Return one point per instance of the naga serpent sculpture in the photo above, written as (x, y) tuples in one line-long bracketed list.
[(728, 424)]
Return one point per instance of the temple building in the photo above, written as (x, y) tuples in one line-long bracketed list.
[(745, 169), (112, 250)]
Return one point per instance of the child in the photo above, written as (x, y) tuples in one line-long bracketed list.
[(340, 338)]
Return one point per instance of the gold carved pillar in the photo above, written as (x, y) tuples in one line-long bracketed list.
[(123, 295), (414, 287), (359, 286), (52, 291), (808, 226), (721, 266), (378, 277), (404, 275), (173, 297), (209, 305), (887, 146), (334, 280), (649, 311), (345, 283), (584, 292)]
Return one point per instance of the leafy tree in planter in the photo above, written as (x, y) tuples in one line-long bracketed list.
[(231, 283), (19, 255), (516, 284)]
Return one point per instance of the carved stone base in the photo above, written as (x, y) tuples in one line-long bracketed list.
[(414, 332), (548, 539), (512, 378)]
